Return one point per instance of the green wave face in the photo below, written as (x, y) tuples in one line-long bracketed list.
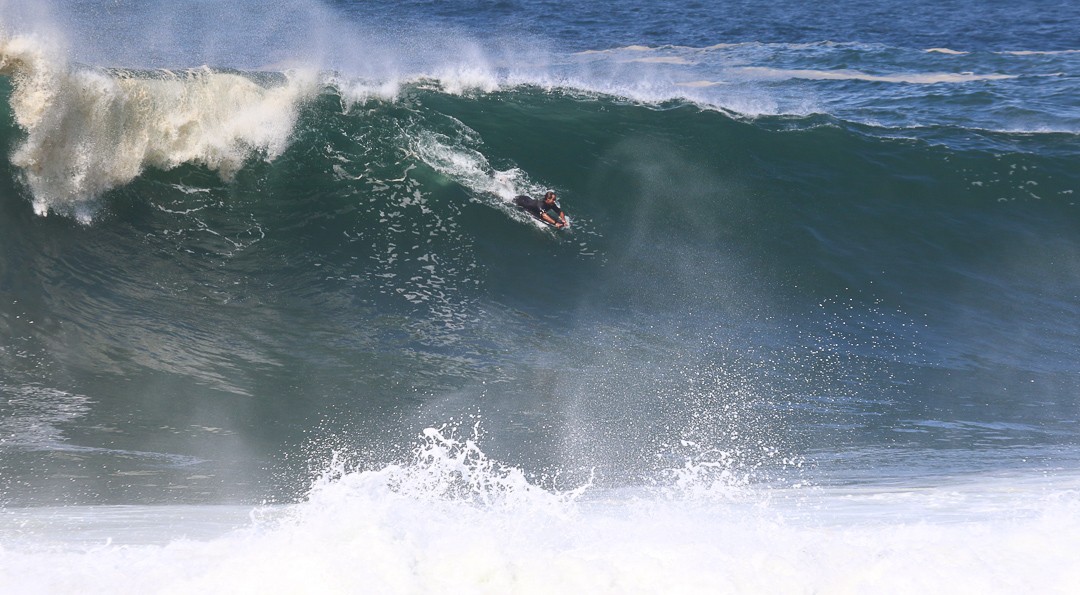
[(271, 253)]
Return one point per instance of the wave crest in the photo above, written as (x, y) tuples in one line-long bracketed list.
[(91, 130)]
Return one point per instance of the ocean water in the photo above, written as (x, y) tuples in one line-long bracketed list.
[(270, 323)]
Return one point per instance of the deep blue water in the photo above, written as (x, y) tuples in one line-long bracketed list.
[(993, 25)]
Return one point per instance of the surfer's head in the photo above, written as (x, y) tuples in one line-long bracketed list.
[(549, 197)]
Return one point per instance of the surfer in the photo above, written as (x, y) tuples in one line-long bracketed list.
[(546, 210)]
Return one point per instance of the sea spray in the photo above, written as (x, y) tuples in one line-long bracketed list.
[(451, 518), (445, 467), (89, 130)]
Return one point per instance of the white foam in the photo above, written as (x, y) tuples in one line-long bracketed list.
[(357, 92), (1040, 52), (91, 130), (677, 60), (920, 78), (453, 520), (456, 158)]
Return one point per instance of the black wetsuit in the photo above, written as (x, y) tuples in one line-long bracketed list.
[(537, 206)]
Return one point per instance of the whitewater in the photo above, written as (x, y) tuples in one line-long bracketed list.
[(270, 322), (452, 519)]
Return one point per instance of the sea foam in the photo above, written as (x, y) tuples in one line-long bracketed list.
[(88, 130), (452, 519)]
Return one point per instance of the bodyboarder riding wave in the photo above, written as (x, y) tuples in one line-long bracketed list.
[(546, 210)]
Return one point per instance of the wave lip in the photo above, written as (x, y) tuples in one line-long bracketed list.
[(90, 130)]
